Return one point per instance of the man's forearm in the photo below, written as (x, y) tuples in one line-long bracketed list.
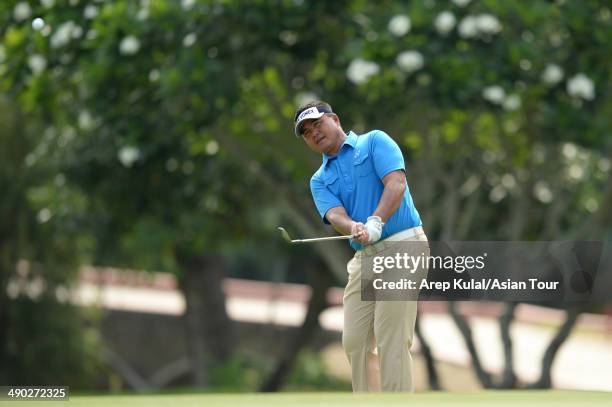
[(340, 220), (391, 197)]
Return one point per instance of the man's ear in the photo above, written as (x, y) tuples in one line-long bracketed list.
[(336, 119)]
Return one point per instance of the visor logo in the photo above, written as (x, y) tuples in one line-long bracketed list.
[(307, 112)]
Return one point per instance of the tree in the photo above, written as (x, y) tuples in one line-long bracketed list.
[(181, 118), (42, 339)]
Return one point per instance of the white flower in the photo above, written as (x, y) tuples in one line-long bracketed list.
[(171, 165), (62, 34), (187, 4), (468, 27), (38, 24), (22, 11), (90, 11), (304, 97), (86, 122), (498, 193), (59, 180), (189, 40), (77, 32), (47, 3), (591, 205), (556, 38), (129, 45), (473, 26), (44, 215), (494, 94), (142, 14), (399, 25), (569, 150), (410, 61), (37, 63), (67, 134), (511, 102), (445, 22), (604, 165), (552, 74), (488, 24), (581, 86), (128, 155), (288, 37), (461, 3), (360, 70), (542, 192), (154, 75), (575, 172), (470, 185), (212, 147), (508, 181)]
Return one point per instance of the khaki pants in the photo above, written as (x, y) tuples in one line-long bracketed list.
[(378, 328)]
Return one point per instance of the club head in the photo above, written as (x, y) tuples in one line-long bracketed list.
[(285, 234)]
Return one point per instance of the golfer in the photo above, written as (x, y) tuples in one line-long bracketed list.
[(361, 189)]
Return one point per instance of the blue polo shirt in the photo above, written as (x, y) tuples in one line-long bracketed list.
[(353, 179)]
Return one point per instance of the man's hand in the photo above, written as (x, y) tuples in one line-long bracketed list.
[(368, 233), (360, 233), (374, 227)]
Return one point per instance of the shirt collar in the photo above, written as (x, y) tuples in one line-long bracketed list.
[(351, 140)]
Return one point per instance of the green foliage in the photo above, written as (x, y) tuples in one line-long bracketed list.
[(245, 373), (242, 373), (42, 339), (47, 345), (310, 374), (201, 93)]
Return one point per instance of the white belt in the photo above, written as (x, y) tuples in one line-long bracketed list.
[(398, 237), (405, 234)]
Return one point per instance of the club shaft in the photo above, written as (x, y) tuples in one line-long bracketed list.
[(321, 239)]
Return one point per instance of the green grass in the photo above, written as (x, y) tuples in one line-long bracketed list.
[(429, 399)]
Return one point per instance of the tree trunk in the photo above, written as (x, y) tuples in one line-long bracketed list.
[(508, 378), (483, 376), (4, 273), (7, 269), (432, 372), (321, 281), (209, 329), (545, 381)]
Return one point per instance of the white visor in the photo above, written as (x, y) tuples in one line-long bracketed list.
[(310, 113)]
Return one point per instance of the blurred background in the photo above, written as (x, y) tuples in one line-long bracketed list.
[(147, 156)]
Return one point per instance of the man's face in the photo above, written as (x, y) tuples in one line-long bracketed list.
[(323, 135)]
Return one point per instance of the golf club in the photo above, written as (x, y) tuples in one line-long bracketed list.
[(318, 239)]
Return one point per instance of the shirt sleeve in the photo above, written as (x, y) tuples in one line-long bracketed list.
[(324, 199), (387, 155)]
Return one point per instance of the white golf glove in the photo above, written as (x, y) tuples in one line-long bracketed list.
[(374, 226)]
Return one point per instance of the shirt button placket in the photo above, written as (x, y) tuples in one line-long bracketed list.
[(346, 177)]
